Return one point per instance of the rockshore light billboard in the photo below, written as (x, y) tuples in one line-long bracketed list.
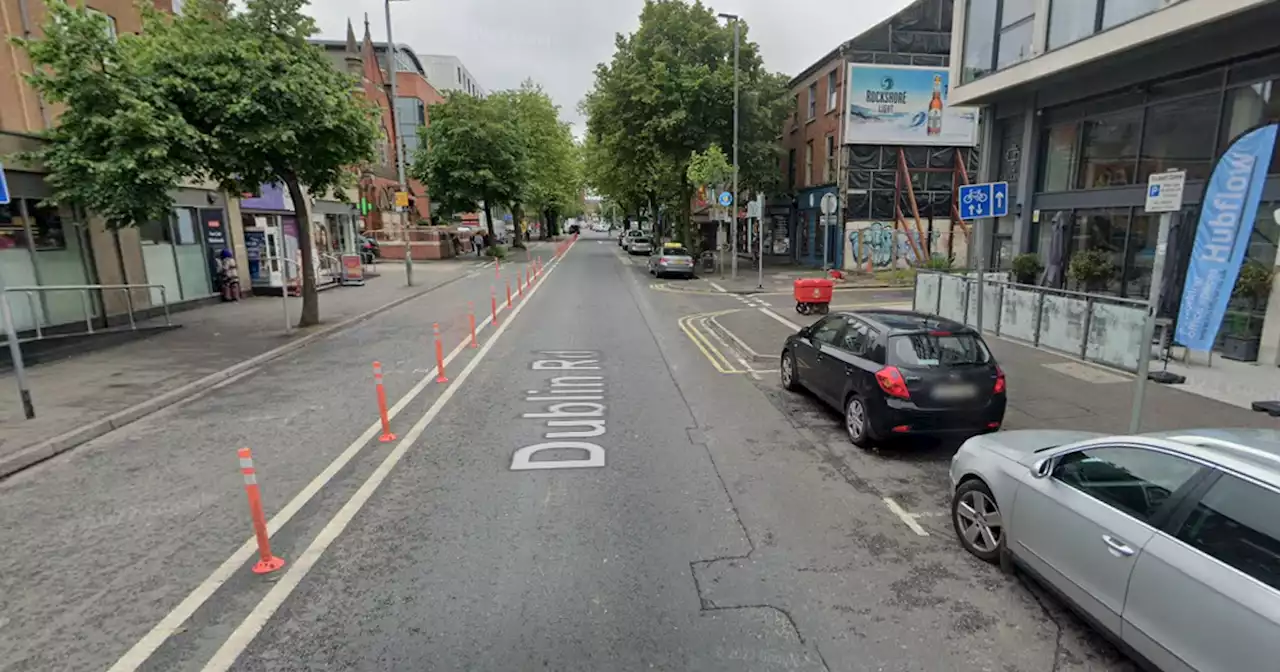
[(904, 105)]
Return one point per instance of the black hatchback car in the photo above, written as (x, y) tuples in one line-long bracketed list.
[(898, 373)]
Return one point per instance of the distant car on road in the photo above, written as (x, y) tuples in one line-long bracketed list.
[(897, 374), (672, 259), (574, 229), (624, 239), (1168, 543), (639, 245)]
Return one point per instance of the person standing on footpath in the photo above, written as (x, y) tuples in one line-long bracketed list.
[(477, 241)]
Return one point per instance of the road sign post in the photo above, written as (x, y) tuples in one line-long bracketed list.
[(1164, 196), (977, 202), (829, 206)]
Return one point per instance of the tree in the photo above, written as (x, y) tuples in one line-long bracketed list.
[(120, 146), (709, 168), (269, 107), (667, 93), (553, 178), (471, 154)]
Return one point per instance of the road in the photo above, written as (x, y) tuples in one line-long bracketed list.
[(588, 491)]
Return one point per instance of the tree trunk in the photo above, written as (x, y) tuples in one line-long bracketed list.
[(488, 218), (302, 212), (517, 215)]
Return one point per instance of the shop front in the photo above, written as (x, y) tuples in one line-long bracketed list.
[(818, 240), (271, 240), (181, 253)]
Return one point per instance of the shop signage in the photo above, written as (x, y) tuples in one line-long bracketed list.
[(904, 105), (4, 187), (352, 270), (1164, 191), (402, 199), (1227, 212)]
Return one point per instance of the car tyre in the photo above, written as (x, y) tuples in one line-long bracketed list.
[(788, 373), (857, 422), (978, 522)]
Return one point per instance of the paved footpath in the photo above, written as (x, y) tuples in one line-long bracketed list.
[(74, 397)]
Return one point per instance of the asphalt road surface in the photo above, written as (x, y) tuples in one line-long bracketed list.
[(586, 492)]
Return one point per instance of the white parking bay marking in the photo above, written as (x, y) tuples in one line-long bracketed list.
[(572, 401), (785, 322), (908, 518)]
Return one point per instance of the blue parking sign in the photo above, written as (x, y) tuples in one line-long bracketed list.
[(980, 201), (4, 187)]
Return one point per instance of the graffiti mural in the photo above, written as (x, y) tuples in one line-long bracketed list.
[(881, 245)]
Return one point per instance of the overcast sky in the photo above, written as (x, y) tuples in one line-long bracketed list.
[(559, 42)]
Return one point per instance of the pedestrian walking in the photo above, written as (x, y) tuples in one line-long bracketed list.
[(477, 241), (228, 276)]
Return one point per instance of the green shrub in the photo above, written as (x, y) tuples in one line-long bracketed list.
[(1027, 268), (1253, 284), (496, 251), (1091, 269), (939, 262)]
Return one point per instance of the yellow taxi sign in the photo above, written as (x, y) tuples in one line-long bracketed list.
[(402, 199), (670, 246)]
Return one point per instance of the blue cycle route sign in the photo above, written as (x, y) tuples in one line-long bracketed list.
[(981, 201), (4, 187), (726, 199)]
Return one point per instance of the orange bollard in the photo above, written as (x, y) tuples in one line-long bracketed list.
[(508, 293), (440, 378), (520, 283), (471, 310), (266, 562), (493, 304), (387, 436)]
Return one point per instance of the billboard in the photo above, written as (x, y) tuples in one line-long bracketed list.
[(904, 105)]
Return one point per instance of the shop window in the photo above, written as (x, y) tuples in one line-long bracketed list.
[(1057, 157), (189, 255), (1140, 256), (1071, 20), (13, 233), (979, 39), (1174, 137), (1101, 229), (46, 226), (1249, 106), (1116, 12), (1109, 150), (155, 233)]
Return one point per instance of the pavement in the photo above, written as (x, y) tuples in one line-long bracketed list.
[(82, 397), (587, 491)]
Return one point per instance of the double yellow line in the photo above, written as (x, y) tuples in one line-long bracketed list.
[(695, 327)]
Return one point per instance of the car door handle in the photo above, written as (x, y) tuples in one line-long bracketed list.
[(1117, 547)]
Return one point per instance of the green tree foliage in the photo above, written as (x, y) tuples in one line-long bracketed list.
[(552, 178), (709, 168), (120, 146), (472, 154), (239, 97), (668, 93)]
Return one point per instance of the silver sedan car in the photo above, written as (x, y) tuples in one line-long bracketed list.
[(671, 260), (1167, 543)]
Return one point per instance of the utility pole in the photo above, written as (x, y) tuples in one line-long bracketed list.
[(399, 146), (733, 208)]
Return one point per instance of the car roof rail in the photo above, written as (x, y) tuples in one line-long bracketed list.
[(1231, 446)]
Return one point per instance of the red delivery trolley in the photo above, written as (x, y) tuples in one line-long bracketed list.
[(813, 295)]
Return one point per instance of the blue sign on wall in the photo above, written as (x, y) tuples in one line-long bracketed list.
[(4, 187), (1222, 236), (979, 201), (726, 199)]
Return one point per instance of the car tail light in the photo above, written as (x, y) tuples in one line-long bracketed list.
[(892, 382), (663, 260), (999, 388)]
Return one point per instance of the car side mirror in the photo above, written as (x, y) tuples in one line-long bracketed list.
[(1042, 468)]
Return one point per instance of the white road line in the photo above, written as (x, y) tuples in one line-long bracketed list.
[(716, 287), (907, 518), (226, 655), (785, 322), (173, 621)]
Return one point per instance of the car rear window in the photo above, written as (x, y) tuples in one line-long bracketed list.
[(936, 350), (676, 252), (640, 240)]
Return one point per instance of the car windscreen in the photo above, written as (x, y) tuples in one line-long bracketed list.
[(926, 350), (642, 241)]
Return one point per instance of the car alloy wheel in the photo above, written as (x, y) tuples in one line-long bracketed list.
[(855, 421), (788, 372), (978, 521)]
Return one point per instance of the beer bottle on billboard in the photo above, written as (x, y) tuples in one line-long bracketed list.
[(935, 107)]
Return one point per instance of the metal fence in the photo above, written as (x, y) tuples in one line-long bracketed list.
[(35, 298), (1097, 328)]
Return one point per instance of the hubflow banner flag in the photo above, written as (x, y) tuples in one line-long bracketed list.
[(1222, 236)]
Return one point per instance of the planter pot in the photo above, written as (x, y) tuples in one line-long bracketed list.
[(1240, 348)]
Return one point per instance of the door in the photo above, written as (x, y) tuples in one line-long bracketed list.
[(857, 369), (813, 357), (1224, 560), (1084, 526)]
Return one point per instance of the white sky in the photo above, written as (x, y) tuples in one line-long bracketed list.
[(559, 42)]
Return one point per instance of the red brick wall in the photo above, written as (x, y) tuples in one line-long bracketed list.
[(799, 129)]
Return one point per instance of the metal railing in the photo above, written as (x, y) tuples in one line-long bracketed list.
[(1103, 329), (36, 306)]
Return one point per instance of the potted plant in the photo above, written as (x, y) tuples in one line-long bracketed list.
[(1239, 339), (1027, 269), (1091, 269)]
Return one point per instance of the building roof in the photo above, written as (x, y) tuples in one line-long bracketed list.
[(379, 48)]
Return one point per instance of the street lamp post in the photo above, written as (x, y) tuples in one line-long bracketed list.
[(399, 146), (733, 217)]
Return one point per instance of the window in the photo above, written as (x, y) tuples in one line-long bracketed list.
[(1174, 137), (829, 166), (184, 226), (46, 226), (1101, 229), (1249, 106), (1235, 522), (13, 232), (111, 22), (791, 168), (929, 350), (1071, 20), (827, 330), (1109, 150), (1135, 481), (795, 111), (833, 95), (1116, 12), (459, 74), (980, 39), (1058, 156), (155, 233), (813, 100), (1015, 44), (857, 338), (410, 116), (808, 163)]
